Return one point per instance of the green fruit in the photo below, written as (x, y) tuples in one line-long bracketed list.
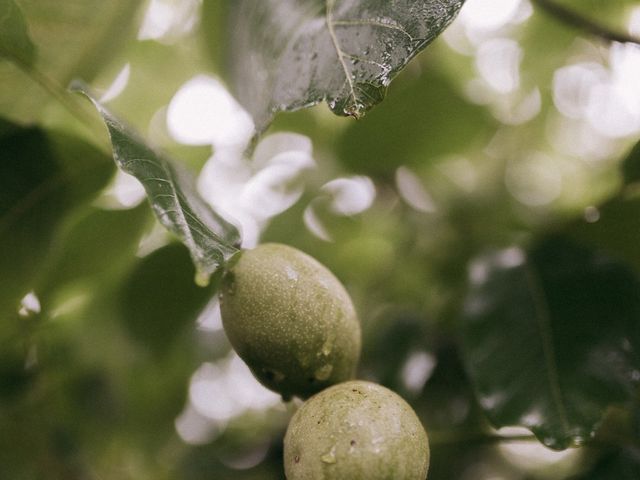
[(357, 431), (290, 319)]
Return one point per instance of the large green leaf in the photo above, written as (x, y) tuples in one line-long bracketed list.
[(74, 38), (159, 302), (552, 337), (14, 37), (616, 229), (173, 195), (291, 54), (614, 226), (43, 177)]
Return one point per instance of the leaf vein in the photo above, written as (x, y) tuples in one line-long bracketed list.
[(338, 49), (543, 319)]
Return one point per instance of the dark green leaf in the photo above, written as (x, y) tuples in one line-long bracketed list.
[(613, 227), (42, 179), (551, 338), (291, 54), (172, 192), (159, 300), (14, 38), (74, 38)]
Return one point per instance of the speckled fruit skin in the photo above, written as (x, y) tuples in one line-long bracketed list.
[(358, 431), (290, 319)]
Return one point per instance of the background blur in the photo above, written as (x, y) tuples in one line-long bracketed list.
[(115, 365)]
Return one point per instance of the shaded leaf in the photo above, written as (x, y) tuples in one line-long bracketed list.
[(291, 54), (172, 192), (551, 338), (43, 177), (14, 37), (159, 300), (74, 38), (115, 234), (613, 227)]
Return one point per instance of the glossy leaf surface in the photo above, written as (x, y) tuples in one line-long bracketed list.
[(551, 338), (172, 192), (291, 54)]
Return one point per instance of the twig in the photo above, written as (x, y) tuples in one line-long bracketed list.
[(465, 438), (571, 17)]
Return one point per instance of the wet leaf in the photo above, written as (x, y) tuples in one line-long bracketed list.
[(15, 43), (291, 54), (172, 192), (550, 338)]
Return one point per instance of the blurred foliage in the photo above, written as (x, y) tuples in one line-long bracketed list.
[(44, 178), (74, 39), (103, 331)]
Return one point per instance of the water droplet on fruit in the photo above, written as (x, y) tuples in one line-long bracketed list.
[(291, 273), (329, 457)]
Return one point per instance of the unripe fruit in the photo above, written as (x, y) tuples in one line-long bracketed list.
[(290, 320), (358, 431)]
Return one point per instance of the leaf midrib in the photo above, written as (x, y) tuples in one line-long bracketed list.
[(543, 322), (336, 46)]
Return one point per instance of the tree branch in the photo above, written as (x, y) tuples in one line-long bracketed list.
[(447, 438), (578, 20)]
